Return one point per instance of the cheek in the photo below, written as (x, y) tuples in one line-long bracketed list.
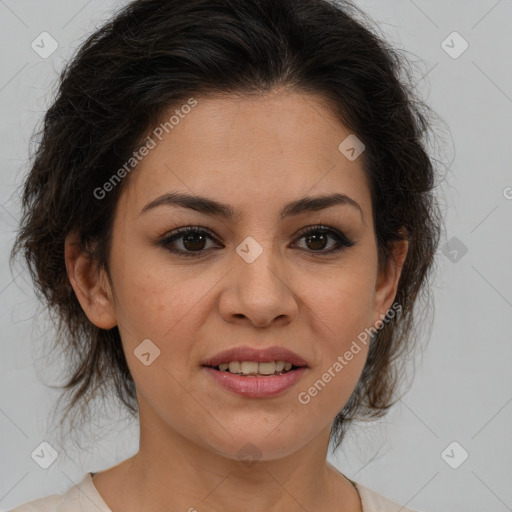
[(169, 307), (168, 311), (151, 294), (342, 305), (340, 312), (327, 391), (341, 352)]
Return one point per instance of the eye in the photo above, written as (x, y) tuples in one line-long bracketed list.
[(317, 237), (193, 240)]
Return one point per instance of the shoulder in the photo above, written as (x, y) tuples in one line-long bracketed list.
[(54, 503), (374, 502), (46, 504), (81, 497)]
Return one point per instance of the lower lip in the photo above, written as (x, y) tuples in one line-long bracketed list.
[(256, 387)]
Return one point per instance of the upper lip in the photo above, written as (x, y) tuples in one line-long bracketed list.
[(258, 355)]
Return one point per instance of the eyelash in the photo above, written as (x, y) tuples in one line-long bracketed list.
[(343, 241)]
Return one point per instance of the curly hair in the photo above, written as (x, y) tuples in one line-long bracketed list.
[(154, 54)]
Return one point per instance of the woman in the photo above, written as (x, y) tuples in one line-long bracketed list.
[(232, 213)]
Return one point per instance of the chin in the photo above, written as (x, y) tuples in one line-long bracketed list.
[(258, 445)]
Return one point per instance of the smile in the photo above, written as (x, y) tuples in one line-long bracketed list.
[(254, 368), (251, 383)]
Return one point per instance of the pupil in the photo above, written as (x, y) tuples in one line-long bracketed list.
[(188, 238), (313, 237)]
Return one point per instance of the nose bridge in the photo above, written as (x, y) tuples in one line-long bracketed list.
[(259, 290), (258, 262)]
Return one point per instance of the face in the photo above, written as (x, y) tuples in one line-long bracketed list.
[(303, 279)]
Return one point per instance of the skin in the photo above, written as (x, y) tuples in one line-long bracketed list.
[(256, 154)]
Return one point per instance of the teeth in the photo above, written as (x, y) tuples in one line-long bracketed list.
[(254, 368), (247, 368), (234, 367), (264, 368)]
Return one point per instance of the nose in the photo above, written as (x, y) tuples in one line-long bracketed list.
[(258, 292)]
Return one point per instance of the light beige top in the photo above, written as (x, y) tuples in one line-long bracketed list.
[(84, 497)]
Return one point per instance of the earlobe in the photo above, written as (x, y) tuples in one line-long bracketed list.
[(388, 278), (90, 284)]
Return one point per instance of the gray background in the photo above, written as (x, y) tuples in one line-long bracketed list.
[(462, 389)]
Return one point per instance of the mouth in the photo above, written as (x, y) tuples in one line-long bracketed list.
[(256, 369), (256, 372)]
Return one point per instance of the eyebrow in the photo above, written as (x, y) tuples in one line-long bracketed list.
[(226, 211)]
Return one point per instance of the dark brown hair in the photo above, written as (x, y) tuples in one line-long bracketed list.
[(154, 54)]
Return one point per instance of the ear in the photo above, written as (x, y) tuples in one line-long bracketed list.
[(90, 283), (387, 279)]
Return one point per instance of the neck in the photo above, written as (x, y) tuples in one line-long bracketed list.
[(173, 472)]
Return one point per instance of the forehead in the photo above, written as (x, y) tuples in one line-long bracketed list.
[(248, 151)]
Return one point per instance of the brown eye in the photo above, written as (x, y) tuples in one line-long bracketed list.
[(316, 241), (317, 238), (192, 240)]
